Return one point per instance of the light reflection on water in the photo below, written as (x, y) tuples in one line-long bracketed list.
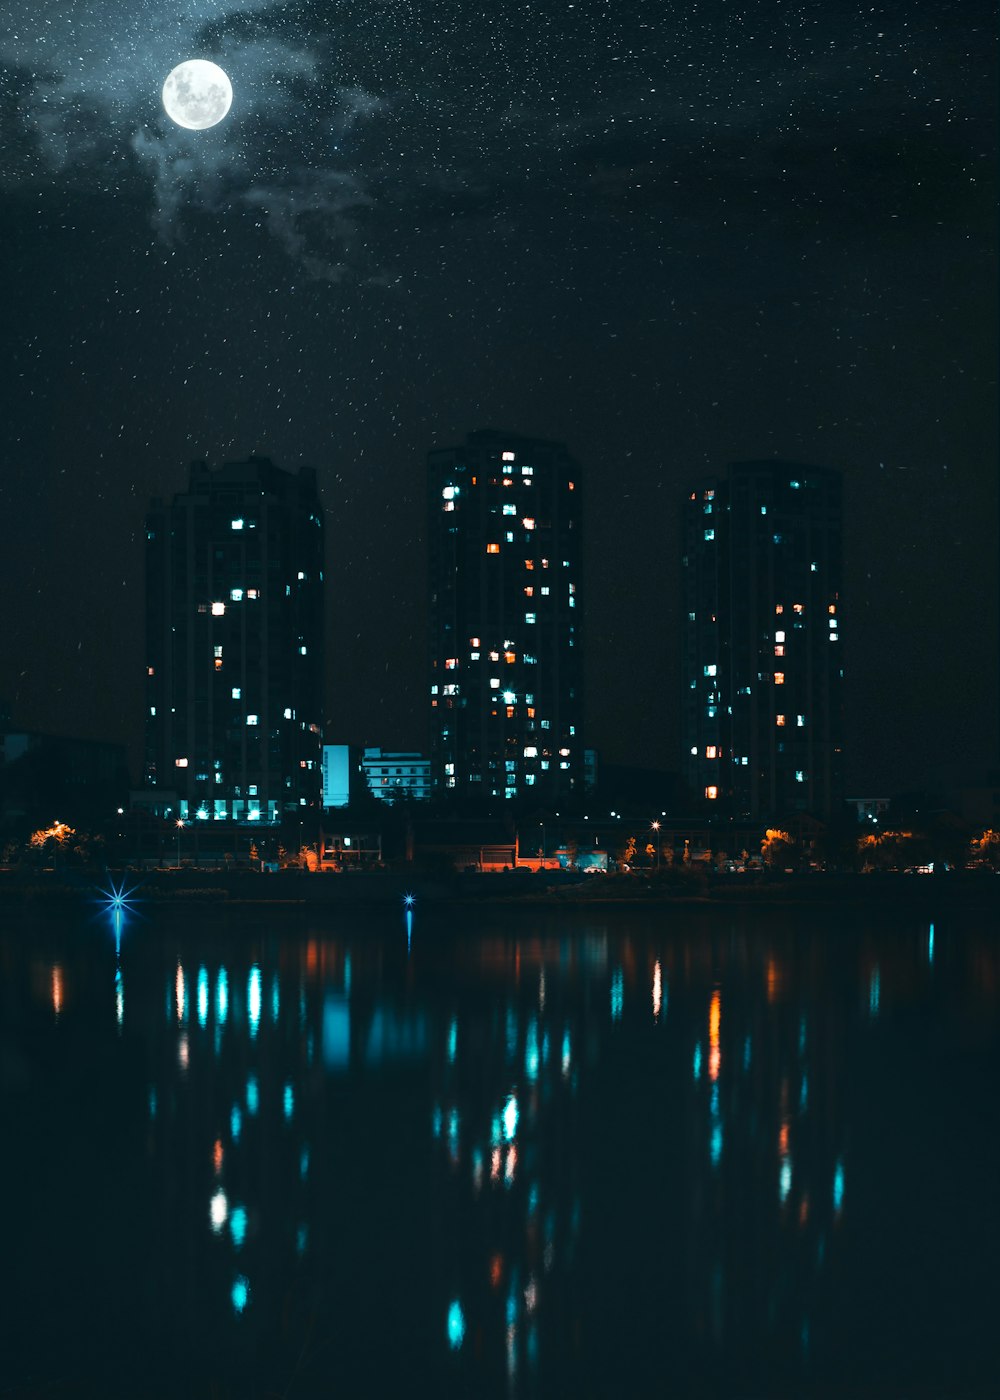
[(475, 1151)]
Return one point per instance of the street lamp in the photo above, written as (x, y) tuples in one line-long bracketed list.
[(656, 828), (180, 827)]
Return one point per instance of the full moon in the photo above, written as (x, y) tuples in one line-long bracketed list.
[(197, 94)]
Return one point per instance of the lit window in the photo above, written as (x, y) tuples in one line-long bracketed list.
[(832, 608), (571, 485), (800, 721), (799, 607), (531, 751), (449, 505), (510, 657), (529, 564), (303, 651), (545, 724), (494, 656), (510, 711), (150, 671), (779, 636), (492, 549), (218, 663), (833, 624), (711, 751), (780, 721), (779, 609), (180, 763), (530, 617), (711, 670), (218, 609), (546, 591), (711, 792), (510, 509), (509, 698), (152, 710), (795, 485), (473, 655), (709, 534), (237, 693), (474, 642), (236, 594), (813, 568), (529, 591), (763, 510), (451, 663), (800, 776), (507, 456), (779, 678), (572, 601), (564, 753), (694, 750), (779, 651), (528, 522), (448, 493), (508, 481), (494, 682), (509, 536), (216, 651), (449, 690), (252, 593), (237, 524)]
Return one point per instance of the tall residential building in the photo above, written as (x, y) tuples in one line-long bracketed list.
[(234, 638), (763, 671), (505, 664)]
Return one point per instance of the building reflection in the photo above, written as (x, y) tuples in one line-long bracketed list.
[(542, 1150)]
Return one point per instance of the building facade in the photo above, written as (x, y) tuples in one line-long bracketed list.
[(397, 777), (505, 660), (763, 671), (234, 636)]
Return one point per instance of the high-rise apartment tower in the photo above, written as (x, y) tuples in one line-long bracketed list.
[(762, 656), (505, 662), (234, 638)]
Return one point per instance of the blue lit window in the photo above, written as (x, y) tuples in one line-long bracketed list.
[(795, 485), (237, 524), (509, 508), (800, 776), (237, 693), (302, 651), (251, 719), (711, 670), (530, 618), (709, 534), (236, 594), (800, 721), (763, 510)]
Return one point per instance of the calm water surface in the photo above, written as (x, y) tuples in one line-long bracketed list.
[(678, 1153)]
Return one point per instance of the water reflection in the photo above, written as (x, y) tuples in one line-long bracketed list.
[(482, 1156)]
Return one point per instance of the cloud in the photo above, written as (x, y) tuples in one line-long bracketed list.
[(84, 84)]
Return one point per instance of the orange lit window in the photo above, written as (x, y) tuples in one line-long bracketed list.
[(779, 651), (451, 663), (529, 564), (711, 751), (473, 481), (572, 487), (508, 481), (780, 721), (531, 712), (510, 711), (779, 678), (799, 607), (712, 792), (510, 657), (218, 663), (473, 641), (492, 549), (434, 704), (529, 592), (832, 608), (780, 609)]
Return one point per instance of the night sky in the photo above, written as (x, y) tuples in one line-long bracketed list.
[(670, 235)]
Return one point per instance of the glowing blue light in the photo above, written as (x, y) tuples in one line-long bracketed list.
[(238, 1225), (347, 974), (804, 1094), (531, 1059), (235, 1123), (222, 996), (253, 1095), (874, 992), (304, 1163), (453, 1121), (409, 900), (785, 1180), (713, 1103), (802, 1036), (456, 1325), (566, 1047), (617, 994), (240, 1294), (511, 1033), (275, 998), (452, 1041), (930, 944), (495, 1131), (696, 1065), (838, 1186), (716, 1145), (288, 1102), (510, 1117), (202, 996), (437, 1120), (409, 930), (253, 1000)]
